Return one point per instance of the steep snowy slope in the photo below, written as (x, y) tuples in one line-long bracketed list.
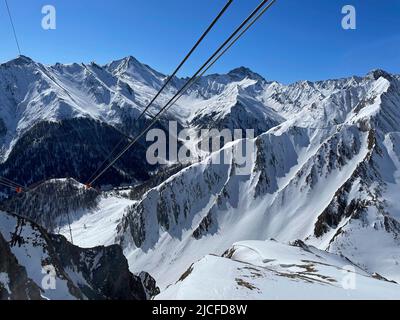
[(97, 226), (269, 270), (206, 207), (235, 108), (306, 183), (371, 238), (38, 265)]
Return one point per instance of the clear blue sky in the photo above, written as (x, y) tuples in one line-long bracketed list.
[(296, 39)]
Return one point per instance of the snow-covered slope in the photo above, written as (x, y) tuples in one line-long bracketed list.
[(32, 93), (270, 270), (60, 204), (97, 226), (330, 186), (235, 108)]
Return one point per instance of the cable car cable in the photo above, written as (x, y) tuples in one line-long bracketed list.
[(145, 111), (259, 8), (13, 27)]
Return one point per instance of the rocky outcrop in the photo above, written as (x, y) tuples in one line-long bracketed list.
[(35, 264), (149, 285), (14, 282)]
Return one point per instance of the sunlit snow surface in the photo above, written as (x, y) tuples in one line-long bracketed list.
[(98, 227), (269, 270)]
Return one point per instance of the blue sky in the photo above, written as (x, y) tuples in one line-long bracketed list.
[(295, 40)]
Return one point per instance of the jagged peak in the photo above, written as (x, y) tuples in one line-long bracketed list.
[(123, 62), (132, 59), (19, 61), (126, 62), (131, 63), (379, 73), (244, 72), (95, 65)]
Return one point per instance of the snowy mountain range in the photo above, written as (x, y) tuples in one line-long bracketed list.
[(325, 175), (29, 254)]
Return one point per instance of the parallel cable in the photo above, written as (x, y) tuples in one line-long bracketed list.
[(187, 56), (169, 79), (13, 27), (10, 182), (205, 66), (222, 53), (4, 184), (70, 228)]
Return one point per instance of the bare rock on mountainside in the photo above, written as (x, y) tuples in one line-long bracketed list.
[(37, 265)]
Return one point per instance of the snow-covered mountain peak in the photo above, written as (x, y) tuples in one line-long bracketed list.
[(378, 73), (131, 68), (121, 65), (241, 73), (19, 61), (117, 92), (235, 108)]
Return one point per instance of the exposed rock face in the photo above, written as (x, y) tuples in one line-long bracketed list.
[(14, 283), (31, 258), (149, 285), (105, 270)]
